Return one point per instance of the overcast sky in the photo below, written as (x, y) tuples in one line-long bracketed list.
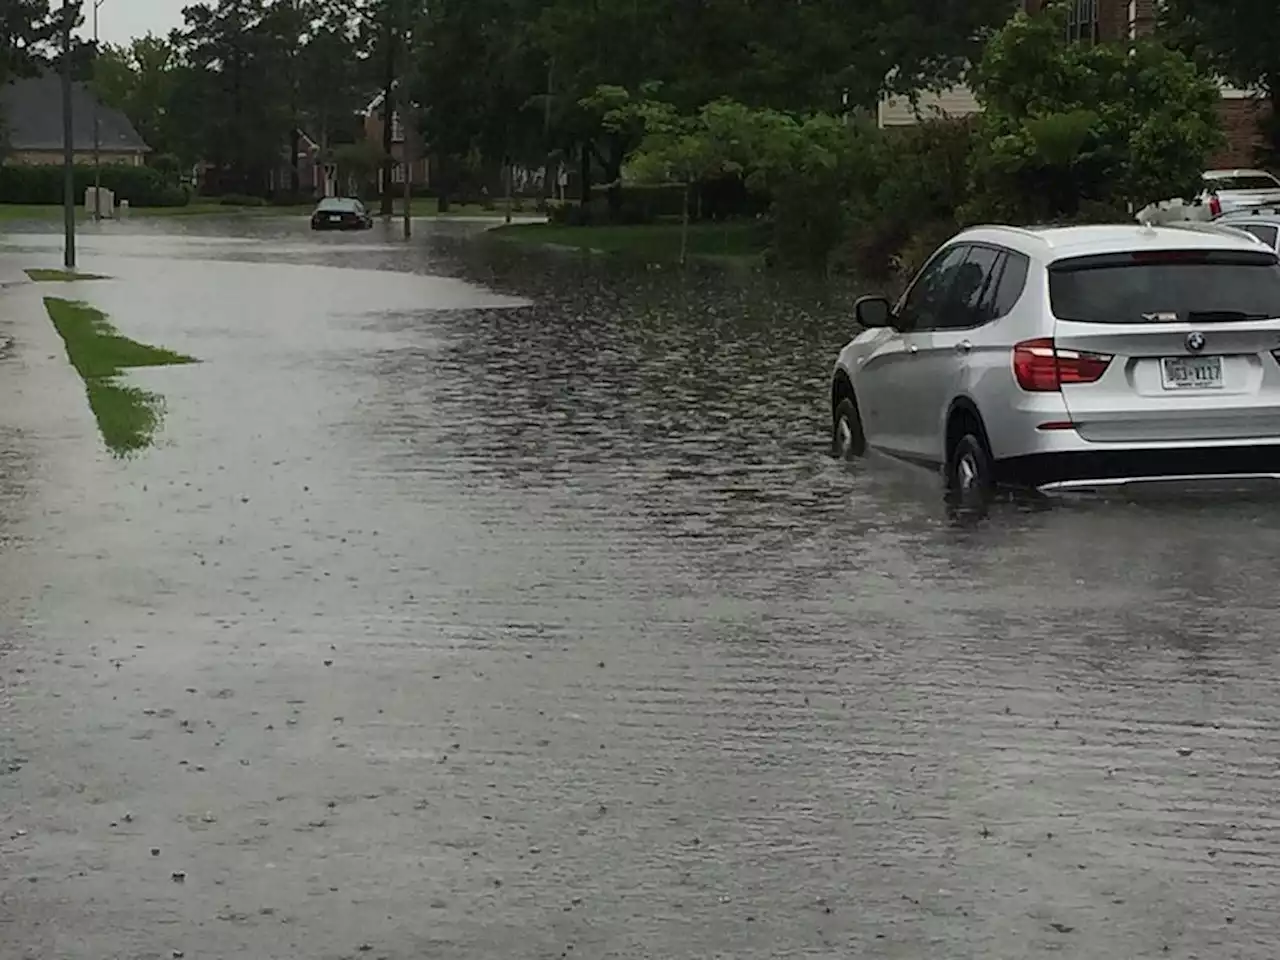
[(119, 21)]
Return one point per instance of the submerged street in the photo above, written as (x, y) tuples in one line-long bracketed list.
[(480, 603)]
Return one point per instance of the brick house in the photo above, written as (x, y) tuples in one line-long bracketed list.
[(419, 167), (1092, 21)]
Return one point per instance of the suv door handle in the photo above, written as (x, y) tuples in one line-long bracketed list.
[(964, 346)]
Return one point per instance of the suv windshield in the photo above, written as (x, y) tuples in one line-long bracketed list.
[(1253, 181), (1175, 286)]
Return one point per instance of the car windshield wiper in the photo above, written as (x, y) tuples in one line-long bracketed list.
[(1225, 316)]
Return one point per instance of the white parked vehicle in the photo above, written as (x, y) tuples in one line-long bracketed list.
[(1073, 358), (1225, 191)]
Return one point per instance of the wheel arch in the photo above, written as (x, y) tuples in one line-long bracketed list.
[(963, 413), (842, 389)]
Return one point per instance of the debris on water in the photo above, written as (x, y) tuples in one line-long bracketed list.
[(1184, 751), (1062, 927), (328, 663), (179, 876), (155, 851), (128, 817)]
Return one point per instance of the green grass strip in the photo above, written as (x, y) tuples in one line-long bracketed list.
[(128, 417), (46, 275)]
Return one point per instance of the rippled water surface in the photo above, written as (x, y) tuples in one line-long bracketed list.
[(479, 603)]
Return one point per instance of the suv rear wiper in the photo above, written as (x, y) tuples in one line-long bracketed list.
[(1225, 316)]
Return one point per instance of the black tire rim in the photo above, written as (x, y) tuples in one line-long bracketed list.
[(968, 473)]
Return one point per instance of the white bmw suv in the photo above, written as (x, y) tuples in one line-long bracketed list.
[(1063, 358)]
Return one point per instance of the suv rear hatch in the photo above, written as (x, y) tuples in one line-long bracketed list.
[(1188, 336), (1244, 190)]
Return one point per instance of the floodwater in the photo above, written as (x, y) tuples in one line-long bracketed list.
[(480, 604)]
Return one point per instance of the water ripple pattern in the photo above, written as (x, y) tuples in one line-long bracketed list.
[(480, 603)]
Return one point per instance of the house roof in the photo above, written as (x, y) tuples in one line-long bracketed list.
[(31, 114)]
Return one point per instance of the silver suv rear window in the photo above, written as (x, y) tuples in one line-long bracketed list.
[(1267, 234), (1188, 286)]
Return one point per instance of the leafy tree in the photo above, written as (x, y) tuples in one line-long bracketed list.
[(479, 80), (1066, 126), (140, 80), (813, 166), (334, 69), (26, 30), (816, 56), (1240, 39)]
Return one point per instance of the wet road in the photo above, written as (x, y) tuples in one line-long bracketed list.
[(481, 605)]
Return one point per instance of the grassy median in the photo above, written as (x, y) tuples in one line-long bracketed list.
[(128, 417), (46, 275)]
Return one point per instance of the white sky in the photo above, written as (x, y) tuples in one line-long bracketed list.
[(119, 21)]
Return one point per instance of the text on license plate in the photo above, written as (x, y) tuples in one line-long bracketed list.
[(1191, 373), (335, 216)]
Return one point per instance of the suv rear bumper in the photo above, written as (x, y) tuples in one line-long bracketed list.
[(1083, 469)]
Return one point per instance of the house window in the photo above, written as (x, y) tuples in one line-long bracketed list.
[(397, 173), (397, 128), (1083, 21)]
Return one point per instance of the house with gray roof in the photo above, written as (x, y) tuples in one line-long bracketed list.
[(31, 125)]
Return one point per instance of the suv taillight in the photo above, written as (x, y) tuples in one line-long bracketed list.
[(1041, 367), (1215, 206)]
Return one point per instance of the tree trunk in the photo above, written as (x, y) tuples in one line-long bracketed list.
[(684, 226), (584, 189), (324, 149), (388, 108), (1272, 123), (613, 172), (442, 184), (295, 173)]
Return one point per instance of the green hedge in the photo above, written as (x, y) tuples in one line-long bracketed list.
[(642, 203), (141, 186)]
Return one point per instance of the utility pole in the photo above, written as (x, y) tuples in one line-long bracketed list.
[(409, 129), (68, 141), (97, 145)]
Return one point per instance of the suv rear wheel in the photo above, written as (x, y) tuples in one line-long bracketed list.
[(847, 439), (970, 473)]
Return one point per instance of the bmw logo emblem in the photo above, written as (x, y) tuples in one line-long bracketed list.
[(1195, 342)]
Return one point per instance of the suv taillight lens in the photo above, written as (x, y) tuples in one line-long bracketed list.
[(1041, 367), (1215, 206)]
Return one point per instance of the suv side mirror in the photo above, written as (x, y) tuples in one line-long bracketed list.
[(873, 312)]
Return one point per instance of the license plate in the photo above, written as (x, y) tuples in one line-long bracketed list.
[(335, 217), (1191, 373)]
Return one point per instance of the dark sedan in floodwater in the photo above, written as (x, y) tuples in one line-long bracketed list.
[(340, 213)]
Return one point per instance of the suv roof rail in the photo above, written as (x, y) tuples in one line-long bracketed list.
[(1023, 231), (1221, 229)]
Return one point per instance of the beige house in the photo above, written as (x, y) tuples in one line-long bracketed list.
[(1092, 21), (31, 112)]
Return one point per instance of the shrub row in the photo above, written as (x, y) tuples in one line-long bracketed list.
[(141, 186), (722, 199)]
